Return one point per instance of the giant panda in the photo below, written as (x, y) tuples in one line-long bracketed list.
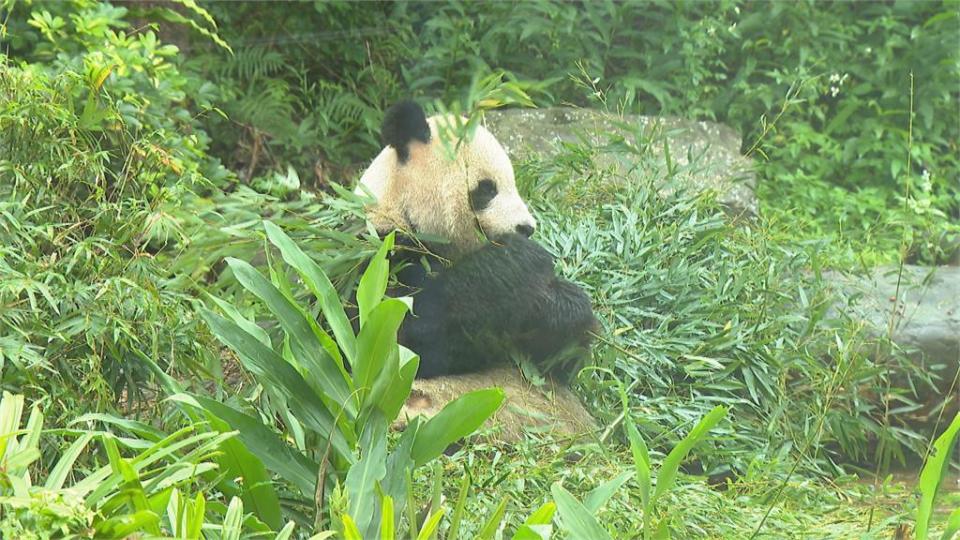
[(482, 288)]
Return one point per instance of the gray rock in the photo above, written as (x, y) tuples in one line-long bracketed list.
[(926, 319), (702, 155)]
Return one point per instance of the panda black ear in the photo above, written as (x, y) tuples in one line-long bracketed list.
[(403, 123)]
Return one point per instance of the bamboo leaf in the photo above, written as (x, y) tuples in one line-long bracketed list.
[(65, 464), (493, 523), (671, 464), (575, 518), (602, 493)]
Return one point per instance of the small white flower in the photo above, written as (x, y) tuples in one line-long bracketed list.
[(835, 77), (834, 91), (869, 50), (736, 9), (926, 185), (732, 28)]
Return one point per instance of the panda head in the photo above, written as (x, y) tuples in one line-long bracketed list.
[(420, 189)]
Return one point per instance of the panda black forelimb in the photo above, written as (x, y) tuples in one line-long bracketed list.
[(504, 295)]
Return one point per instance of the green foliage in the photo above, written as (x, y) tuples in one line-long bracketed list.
[(822, 92), (338, 418), (668, 469), (85, 203), (699, 312), (115, 214), (149, 493)]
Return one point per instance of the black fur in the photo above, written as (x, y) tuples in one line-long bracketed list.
[(402, 123), (502, 298)]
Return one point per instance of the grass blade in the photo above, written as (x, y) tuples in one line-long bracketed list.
[(671, 464), (932, 475), (575, 518)]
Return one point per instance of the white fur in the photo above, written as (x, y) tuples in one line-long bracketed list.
[(430, 192)]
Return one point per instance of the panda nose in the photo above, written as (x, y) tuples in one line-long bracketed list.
[(526, 230)]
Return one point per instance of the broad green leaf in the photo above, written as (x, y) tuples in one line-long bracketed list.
[(399, 463), (280, 376), (602, 493), (663, 529), (233, 520), (321, 287), (127, 524), (494, 522), (430, 525), (387, 527), (259, 438), (533, 532), (953, 525), (392, 399), (641, 462), (65, 464), (377, 365), (373, 282), (931, 476), (350, 530), (364, 476), (234, 314), (237, 462), (286, 532), (330, 377), (576, 520), (457, 420), (542, 515), (671, 464)]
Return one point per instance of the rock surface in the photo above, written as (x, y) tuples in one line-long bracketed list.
[(926, 319), (703, 155), (554, 410)]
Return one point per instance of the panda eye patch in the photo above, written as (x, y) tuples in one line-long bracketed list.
[(481, 195)]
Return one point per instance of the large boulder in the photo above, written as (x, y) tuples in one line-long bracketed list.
[(702, 155), (925, 315), (552, 409)]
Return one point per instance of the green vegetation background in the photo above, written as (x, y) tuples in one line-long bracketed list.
[(141, 143)]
